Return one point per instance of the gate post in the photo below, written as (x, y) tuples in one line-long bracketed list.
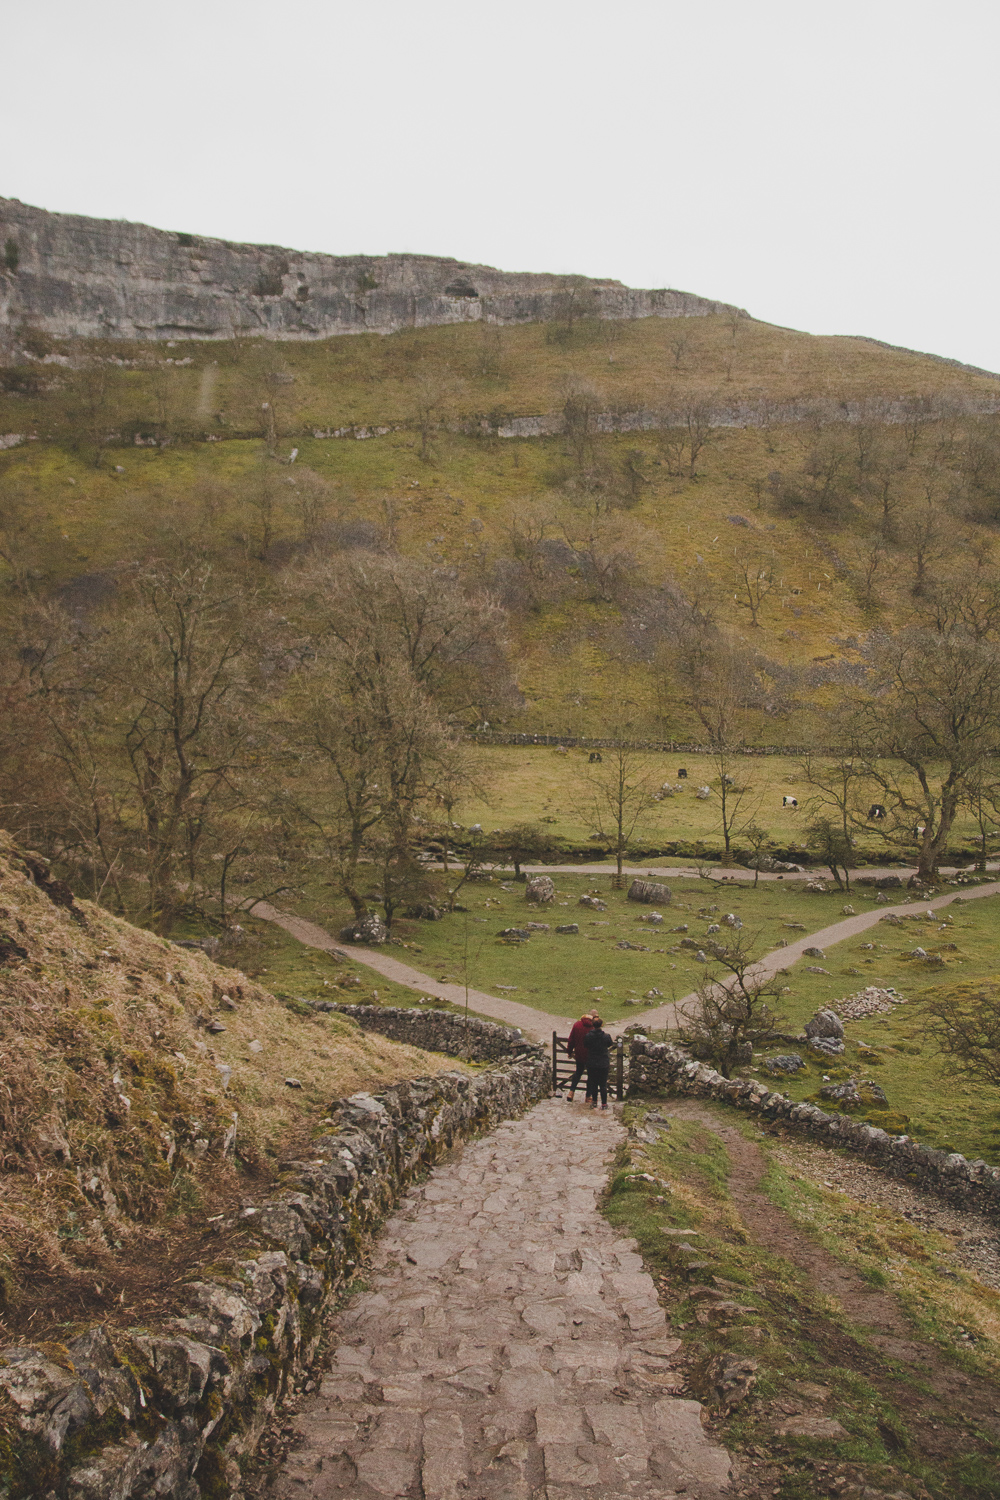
[(621, 1069), (555, 1063)]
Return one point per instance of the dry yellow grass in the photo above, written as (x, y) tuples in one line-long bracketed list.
[(119, 1105)]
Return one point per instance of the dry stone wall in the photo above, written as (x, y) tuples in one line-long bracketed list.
[(72, 276), (657, 1067), (440, 1031), (171, 1411)]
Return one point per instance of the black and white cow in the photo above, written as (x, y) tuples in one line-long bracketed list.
[(876, 812), (789, 801)]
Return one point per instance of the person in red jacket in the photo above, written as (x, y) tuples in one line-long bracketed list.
[(576, 1048)]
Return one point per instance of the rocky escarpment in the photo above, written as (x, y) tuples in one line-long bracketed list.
[(71, 276)]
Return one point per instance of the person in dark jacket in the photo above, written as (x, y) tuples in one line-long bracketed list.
[(576, 1046), (598, 1063)]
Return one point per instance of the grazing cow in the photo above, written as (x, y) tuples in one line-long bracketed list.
[(596, 758), (789, 801), (682, 774), (919, 829), (876, 812)]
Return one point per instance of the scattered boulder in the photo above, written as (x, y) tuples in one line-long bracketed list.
[(540, 890), (889, 883), (650, 892), (825, 1023), (370, 929), (594, 902), (568, 929), (653, 917), (827, 1046), (852, 1095), (425, 912), (537, 927), (816, 969), (814, 888), (514, 934), (784, 1062), (813, 953)]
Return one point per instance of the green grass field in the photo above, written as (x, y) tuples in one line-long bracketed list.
[(538, 784), (566, 975)]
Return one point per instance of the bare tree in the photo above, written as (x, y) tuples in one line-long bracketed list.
[(753, 570), (923, 732), (431, 393), (95, 405), (678, 344), (618, 793), (731, 1009), (982, 798), (965, 1024), (738, 796), (834, 847), (686, 431), (758, 838), (927, 535), (377, 609)]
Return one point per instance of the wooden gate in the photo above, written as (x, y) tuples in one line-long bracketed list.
[(564, 1066)]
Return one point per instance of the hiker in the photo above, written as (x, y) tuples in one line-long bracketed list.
[(598, 1045), (576, 1048)]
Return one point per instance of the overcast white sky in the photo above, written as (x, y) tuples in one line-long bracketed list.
[(831, 167)]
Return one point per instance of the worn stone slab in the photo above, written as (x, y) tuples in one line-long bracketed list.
[(501, 1357)]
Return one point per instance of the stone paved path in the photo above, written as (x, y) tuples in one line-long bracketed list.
[(511, 1346)]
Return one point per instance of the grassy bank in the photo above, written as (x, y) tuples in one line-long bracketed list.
[(767, 1336)]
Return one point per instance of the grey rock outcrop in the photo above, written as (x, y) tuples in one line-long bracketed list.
[(370, 929), (72, 276), (651, 892), (540, 890), (825, 1023)]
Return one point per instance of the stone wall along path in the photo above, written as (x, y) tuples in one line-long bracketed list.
[(511, 1344)]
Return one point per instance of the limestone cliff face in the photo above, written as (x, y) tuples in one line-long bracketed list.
[(105, 278)]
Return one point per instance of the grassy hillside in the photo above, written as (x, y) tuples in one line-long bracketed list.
[(622, 511), (143, 1089)]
